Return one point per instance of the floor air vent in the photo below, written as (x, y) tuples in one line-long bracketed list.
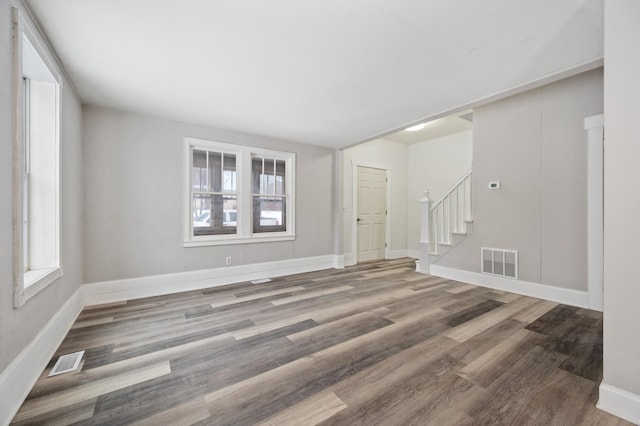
[(500, 262), (66, 363)]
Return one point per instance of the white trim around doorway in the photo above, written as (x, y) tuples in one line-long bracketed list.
[(594, 126), (354, 208)]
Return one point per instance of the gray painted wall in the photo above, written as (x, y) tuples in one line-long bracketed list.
[(19, 326), (621, 198), (133, 182), (535, 144)]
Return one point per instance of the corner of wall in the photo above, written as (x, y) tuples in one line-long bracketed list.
[(17, 380), (540, 291), (618, 402)]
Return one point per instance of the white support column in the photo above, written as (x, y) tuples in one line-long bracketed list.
[(594, 126), (422, 265)]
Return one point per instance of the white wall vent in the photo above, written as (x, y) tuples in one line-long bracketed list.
[(503, 263), (66, 363)]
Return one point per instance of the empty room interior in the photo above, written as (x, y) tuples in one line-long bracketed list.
[(335, 213)]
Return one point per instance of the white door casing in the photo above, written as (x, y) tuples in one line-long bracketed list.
[(371, 214), (594, 125)]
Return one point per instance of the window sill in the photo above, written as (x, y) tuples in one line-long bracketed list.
[(37, 280), (222, 241)]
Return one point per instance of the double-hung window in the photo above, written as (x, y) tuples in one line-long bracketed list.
[(215, 196), (268, 178), (36, 172), (237, 194)]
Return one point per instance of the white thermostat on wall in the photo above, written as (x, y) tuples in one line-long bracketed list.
[(494, 185)]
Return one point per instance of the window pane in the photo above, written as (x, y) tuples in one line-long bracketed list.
[(215, 171), (229, 184), (214, 214), (270, 185), (230, 212), (280, 168), (269, 214), (268, 176), (256, 175), (201, 211), (42, 179), (25, 175), (199, 172), (199, 159)]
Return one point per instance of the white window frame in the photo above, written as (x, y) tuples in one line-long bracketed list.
[(244, 155), (226, 150), (28, 282)]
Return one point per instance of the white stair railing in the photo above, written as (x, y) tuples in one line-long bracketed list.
[(440, 220), (451, 213)]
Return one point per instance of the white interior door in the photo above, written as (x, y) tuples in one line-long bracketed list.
[(372, 213)]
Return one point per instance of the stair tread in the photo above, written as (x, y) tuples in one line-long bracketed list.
[(458, 233)]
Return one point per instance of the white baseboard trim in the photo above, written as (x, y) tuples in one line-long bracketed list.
[(541, 291), (413, 253), (338, 261), (397, 254), (420, 268), (158, 285), (621, 403), (17, 380), (349, 259)]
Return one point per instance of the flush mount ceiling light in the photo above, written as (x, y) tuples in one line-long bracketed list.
[(415, 128)]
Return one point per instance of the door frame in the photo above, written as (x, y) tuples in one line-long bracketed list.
[(354, 209), (594, 126)]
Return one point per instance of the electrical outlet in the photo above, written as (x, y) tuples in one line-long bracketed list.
[(227, 261)]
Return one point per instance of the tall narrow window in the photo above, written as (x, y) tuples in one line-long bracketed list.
[(37, 170), (25, 174), (269, 195), (40, 177), (215, 198)]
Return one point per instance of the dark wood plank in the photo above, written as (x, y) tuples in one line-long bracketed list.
[(472, 312)]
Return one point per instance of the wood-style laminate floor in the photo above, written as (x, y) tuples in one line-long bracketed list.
[(372, 344)]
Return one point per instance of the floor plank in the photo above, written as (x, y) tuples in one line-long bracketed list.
[(183, 415), (311, 411), (37, 406)]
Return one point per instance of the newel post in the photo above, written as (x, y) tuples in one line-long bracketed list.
[(422, 265)]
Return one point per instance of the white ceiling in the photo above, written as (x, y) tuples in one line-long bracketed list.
[(330, 72), (435, 129)]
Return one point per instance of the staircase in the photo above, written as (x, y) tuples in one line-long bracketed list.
[(451, 215), (446, 222)]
